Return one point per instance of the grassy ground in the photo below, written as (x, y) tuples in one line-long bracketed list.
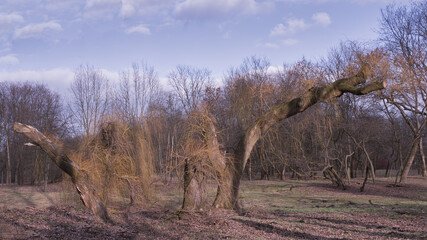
[(289, 209)]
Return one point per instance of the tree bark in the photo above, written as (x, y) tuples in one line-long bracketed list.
[(362, 188), (410, 159), (195, 192), (423, 159), (8, 168), (347, 167), (329, 172), (79, 177), (227, 195), (283, 173)]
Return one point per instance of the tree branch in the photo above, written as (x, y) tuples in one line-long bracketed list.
[(353, 85), (80, 178)]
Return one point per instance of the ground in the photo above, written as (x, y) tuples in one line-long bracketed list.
[(288, 209)]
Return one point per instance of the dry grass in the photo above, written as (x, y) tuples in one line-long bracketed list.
[(272, 210)]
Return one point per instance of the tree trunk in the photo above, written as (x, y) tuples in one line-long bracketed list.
[(79, 177), (410, 159), (347, 166), (283, 173), (18, 169), (227, 196), (329, 172), (46, 174), (195, 192), (250, 170), (371, 165), (8, 168), (362, 188), (423, 159), (387, 171), (362, 146)]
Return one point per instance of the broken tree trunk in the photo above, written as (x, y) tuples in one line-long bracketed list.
[(79, 177), (330, 173), (228, 193)]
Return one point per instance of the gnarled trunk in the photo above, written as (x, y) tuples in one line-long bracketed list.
[(228, 189), (195, 192), (79, 177)]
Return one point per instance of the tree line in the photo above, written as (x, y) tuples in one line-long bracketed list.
[(360, 109)]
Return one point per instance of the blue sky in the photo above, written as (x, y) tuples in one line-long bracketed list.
[(46, 40)]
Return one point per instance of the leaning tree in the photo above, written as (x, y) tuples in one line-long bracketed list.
[(232, 168)]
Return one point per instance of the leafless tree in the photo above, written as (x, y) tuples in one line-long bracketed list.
[(90, 98), (31, 103), (403, 31), (137, 90), (189, 84)]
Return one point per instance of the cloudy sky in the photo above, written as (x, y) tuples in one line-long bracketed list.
[(46, 40)]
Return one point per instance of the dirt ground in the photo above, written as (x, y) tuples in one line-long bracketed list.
[(271, 210)]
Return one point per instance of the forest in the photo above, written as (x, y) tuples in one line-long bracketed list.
[(357, 114)]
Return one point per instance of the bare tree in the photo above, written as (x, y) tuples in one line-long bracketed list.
[(403, 31), (30, 103), (137, 90), (189, 84), (90, 101)]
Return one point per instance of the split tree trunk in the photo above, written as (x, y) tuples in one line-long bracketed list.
[(330, 173), (228, 189), (79, 177)]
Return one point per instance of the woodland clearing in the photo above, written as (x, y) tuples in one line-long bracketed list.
[(290, 209)]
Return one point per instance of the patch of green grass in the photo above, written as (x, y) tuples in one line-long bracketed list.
[(298, 197)]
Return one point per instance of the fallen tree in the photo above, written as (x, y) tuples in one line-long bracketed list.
[(78, 176)]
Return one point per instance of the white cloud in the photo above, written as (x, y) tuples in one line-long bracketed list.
[(291, 27), (64, 6), (127, 10), (294, 25), (9, 59), (132, 8), (289, 42), (322, 19), (373, 1), (142, 29), (204, 9), (57, 79), (275, 69), (10, 18), (271, 45), (34, 30), (47, 76), (113, 77), (99, 3), (101, 9)]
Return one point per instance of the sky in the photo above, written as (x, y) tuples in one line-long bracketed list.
[(47, 40)]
